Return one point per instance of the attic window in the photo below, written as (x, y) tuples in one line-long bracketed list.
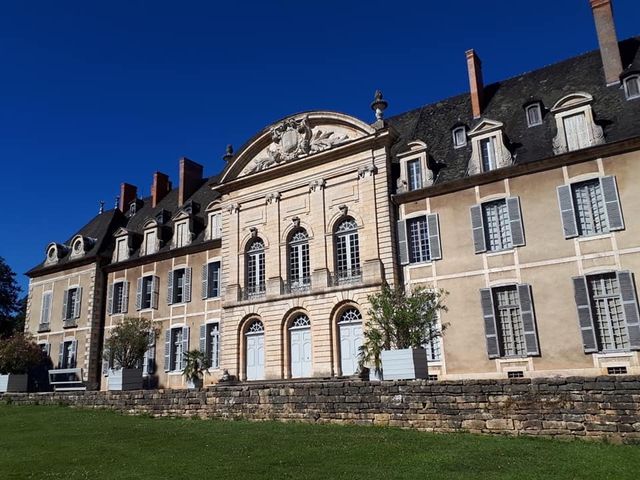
[(52, 254), (132, 209), (534, 115), (459, 137), (632, 87), (77, 247)]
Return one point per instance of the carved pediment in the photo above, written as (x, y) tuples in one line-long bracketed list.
[(485, 125)]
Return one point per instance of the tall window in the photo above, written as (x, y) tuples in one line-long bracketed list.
[(122, 249), (176, 344), (497, 226), (150, 241), (210, 343), (118, 297), (299, 267), (255, 281), (347, 248), (575, 130), (71, 305), (67, 354), (45, 313), (589, 207), (211, 280), (488, 154), (414, 174), (510, 323), (433, 346), (182, 234), (147, 292), (608, 312), (179, 286), (215, 225), (418, 240), (534, 115)]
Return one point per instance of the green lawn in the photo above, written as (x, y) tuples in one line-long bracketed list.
[(60, 442)]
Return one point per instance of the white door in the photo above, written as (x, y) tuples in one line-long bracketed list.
[(350, 341), (255, 356), (300, 352)]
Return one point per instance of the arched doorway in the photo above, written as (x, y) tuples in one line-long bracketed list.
[(254, 348), (350, 334), (300, 346)]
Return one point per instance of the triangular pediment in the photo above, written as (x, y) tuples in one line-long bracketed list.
[(121, 232), (486, 125)]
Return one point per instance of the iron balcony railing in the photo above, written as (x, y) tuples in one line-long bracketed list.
[(70, 323), (254, 291), (298, 286), (345, 277), (44, 327)]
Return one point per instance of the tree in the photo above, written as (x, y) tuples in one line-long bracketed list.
[(399, 319), (129, 341), (10, 304)]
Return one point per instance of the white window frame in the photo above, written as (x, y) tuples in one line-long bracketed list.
[(409, 220), (484, 130), (175, 347), (45, 314), (454, 138), (150, 233), (215, 225), (255, 281), (509, 238), (417, 151), (209, 328), (121, 250), (534, 106), (570, 105), (182, 234), (210, 279), (69, 313), (117, 306), (635, 79)]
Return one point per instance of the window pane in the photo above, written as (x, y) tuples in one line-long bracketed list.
[(589, 206), (418, 240), (497, 228), (510, 322), (459, 137), (575, 129), (414, 172), (533, 115), (608, 313), (633, 87), (488, 153), (213, 280)]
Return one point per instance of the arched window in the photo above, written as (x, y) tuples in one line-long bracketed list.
[(254, 282), (632, 87), (299, 269), (459, 135), (347, 248), (534, 114)]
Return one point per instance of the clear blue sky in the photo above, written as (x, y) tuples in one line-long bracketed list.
[(97, 93)]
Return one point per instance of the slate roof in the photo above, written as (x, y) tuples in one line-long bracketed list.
[(504, 102)]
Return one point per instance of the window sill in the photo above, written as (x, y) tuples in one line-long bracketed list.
[(68, 324), (596, 236), (179, 304), (174, 373), (621, 353), (146, 310), (213, 298), (419, 264), (495, 253)]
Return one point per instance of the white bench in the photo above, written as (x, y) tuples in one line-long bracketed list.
[(66, 380)]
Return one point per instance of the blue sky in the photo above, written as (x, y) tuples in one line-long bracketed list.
[(97, 93)]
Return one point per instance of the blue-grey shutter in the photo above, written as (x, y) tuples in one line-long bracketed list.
[(167, 350), (186, 296), (612, 202), (139, 283), (205, 281), (490, 326), (47, 349), (151, 354), (73, 360), (155, 291), (585, 316), (203, 339), (185, 345), (77, 303), (61, 354), (630, 306), (477, 227), (515, 221), (528, 320), (567, 211), (170, 288), (124, 298), (65, 304), (403, 249), (435, 250), (109, 299)]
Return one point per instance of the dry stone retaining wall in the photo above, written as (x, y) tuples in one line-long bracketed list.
[(573, 407)]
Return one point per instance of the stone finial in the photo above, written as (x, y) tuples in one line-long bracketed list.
[(228, 153), (379, 105), (101, 210)]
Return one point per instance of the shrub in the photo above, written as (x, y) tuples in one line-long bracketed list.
[(19, 354), (128, 342), (195, 365)]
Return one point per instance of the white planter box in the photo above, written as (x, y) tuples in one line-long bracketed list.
[(13, 383), (194, 384), (125, 379), (406, 364)]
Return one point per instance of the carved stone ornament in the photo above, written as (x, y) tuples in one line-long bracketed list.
[(273, 197), (316, 185), (343, 209), (254, 232), (295, 221), (233, 208), (293, 139), (367, 171)]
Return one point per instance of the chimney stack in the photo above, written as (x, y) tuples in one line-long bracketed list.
[(190, 179), (476, 86), (608, 40), (128, 193), (160, 187)]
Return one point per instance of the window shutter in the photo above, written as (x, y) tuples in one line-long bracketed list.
[(490, 327), (185, 345), (187, 285), (77, 303), (567, 212), (630, 306), (477, 226), (151, 354), (205, 281), (435, 250), (124, 298), (585, 316), (105, 363), (73, 361), (46, 308), (402, 242), (61, 355), (47, 349), (109, 299), (515, 220), (139, 294), (65, 304), (528, 320), (167, 350), (155, 291), (612, 202), (170, 288), (203, 338)]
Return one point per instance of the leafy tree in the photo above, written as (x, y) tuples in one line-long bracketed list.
[(129, 341), (19, 354), (10, 305), (399, 319)]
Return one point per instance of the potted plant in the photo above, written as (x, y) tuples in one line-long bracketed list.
[(400, 324), (18, 355), (125, 349), (195, 367)]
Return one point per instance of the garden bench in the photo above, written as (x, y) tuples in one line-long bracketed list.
[(66, 380)]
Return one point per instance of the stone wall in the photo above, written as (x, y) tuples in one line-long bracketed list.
[(572, 407)]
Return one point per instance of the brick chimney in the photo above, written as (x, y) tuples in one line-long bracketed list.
[(128, 193), (160, 187), (608, 40), (476, 86), (190, 179)]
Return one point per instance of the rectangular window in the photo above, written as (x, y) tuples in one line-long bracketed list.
[(414, 174), (418, 240), (213, 279), (589, 208), (510, 325), (67, 356), (176, 349), (497, 225), (534, 115), (122, 249), (212, 342), (71, 305), (146, 298), (433, 346), (215, 222), (575, 130), (119, 297), (45, 313), (150, 244), (488, 154), (178, 285), (608, 314)]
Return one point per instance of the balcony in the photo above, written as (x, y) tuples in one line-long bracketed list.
[(347, 277), (70, 323), (301, 285), (44, 327), (254, 292)]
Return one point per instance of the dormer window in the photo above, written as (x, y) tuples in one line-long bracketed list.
[(489, 151), (51, 254), (150, 239), (534, 114), (80, 245), (414, 170), (459, 137), (414, 174), (182, 235), (54, 252), (575, 124), (121, 250), (632, 87), (215, 225)]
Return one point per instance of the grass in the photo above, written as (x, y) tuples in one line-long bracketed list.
[(64, 443)]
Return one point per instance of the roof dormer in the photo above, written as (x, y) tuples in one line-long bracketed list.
[(488, 147)]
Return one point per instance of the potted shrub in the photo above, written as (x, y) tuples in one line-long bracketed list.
[(18, 355), (125, 349), (195, 367), (400, 324)]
